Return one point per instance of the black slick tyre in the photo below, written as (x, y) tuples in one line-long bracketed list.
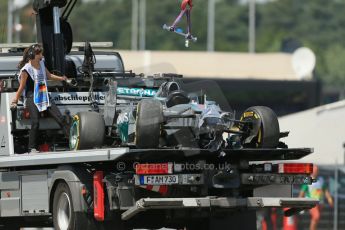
[(148, 122), (87, 131), (266, 127)]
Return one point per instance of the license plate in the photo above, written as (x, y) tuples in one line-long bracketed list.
[(159, 179)]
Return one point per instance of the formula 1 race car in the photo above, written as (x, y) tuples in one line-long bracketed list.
[(108, 107), (173, 119), (151, 117)]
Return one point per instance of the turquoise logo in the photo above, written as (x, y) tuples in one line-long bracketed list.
[(136, 92)]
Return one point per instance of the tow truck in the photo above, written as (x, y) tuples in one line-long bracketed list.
[(104, 178)]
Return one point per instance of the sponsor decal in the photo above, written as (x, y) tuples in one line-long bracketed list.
[(136, 92), (84, 98), (79, 98)]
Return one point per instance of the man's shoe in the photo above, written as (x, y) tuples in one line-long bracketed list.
[(33, 151)]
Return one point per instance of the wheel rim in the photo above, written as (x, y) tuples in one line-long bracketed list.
[(74, 135), (252, 116), (64, 211)]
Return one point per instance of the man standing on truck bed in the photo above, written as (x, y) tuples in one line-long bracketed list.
[(33, 82)]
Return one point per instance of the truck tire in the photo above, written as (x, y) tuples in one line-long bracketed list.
[(64, 216), (87, 131), (148, 122), (266, 128)]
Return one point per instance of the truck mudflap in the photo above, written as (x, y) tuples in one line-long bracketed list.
[(294, 204)]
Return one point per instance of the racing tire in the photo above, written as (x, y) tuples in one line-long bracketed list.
[(177, 97), (148, 124), (267, 131), (87, 131), (64, 216)]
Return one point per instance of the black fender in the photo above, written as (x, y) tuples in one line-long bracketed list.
[(76, 178)]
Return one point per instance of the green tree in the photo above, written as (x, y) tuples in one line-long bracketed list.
[(103, 21), (334, 58), (3, 21), (317, 24)]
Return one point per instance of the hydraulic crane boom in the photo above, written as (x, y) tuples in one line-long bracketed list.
[(54, 32)]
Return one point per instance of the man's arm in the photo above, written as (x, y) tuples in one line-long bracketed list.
[(329, 198), (53, 77)]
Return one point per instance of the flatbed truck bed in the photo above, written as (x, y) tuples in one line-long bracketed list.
[(126, 153), (103, 195)]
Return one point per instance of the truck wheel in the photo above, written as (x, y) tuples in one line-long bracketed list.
[(148, 122), (265, 131), (87, 131), (64, 216)]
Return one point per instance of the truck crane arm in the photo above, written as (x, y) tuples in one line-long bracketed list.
[(54, 31)]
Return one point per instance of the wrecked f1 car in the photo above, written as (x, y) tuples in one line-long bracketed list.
[(174, 119), (154, 112)]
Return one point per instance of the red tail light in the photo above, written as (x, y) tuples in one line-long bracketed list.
[(162, 168), (98, 196), (296, 168)]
